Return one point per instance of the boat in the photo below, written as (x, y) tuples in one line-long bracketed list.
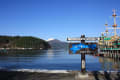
[(110, 39)]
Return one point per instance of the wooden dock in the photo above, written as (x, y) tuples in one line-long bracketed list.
[(110, 53)]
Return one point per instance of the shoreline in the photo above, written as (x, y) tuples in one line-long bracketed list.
[(56, 75)]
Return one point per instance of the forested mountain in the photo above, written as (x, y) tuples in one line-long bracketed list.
[(23, 42)]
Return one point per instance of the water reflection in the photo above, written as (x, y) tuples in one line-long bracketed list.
[(54, 60), (50, 53), (109, 64)]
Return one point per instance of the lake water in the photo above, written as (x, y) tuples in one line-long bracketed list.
[(55, 60)]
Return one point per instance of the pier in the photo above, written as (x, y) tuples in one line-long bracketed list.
[(110, 53)]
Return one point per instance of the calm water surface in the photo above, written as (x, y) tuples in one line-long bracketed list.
[(55, 60)]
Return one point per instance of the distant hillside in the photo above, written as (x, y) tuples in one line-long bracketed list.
[(57, 44), (23, 42)]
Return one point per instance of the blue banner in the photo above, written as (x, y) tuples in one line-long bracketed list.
[(77, 47)]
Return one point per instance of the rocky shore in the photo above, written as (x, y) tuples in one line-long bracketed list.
[(70, 75)]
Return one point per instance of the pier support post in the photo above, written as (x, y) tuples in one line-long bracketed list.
[(110, 54), (117, 55)]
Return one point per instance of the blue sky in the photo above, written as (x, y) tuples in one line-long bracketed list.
[(56, 18)]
